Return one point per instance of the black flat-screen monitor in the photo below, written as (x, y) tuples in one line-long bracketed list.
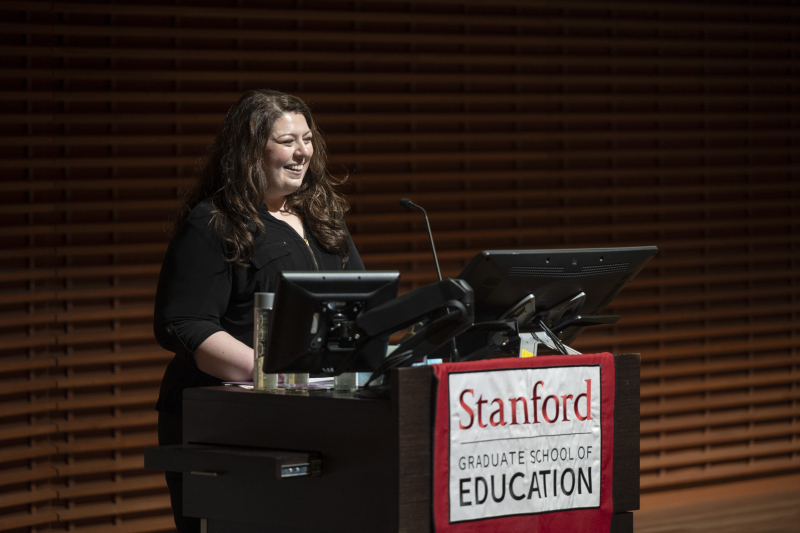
[(503, 278), (312, 324)]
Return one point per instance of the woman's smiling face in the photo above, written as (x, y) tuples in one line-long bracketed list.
[(287, 155)]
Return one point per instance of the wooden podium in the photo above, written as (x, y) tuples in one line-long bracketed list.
[(332, 462)]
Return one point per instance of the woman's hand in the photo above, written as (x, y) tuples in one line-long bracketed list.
[(225, 358)]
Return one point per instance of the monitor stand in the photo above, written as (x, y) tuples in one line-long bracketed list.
[(521, 329)]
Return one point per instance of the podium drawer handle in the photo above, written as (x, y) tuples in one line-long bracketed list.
[(213, 474)]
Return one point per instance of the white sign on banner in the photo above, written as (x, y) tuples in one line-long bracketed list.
[(524, 441)]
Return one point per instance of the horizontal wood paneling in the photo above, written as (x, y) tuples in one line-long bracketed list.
[(516, 123)]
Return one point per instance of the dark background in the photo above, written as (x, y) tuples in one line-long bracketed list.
[(517, 124)]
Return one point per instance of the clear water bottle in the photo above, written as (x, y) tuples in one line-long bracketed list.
[(262, 309)]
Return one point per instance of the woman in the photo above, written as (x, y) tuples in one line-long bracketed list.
[(263, 203)]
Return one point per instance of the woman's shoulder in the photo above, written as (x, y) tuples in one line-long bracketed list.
[(199, 225), (203, 210), (200, 218)]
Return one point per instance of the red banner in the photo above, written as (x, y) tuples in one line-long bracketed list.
[(524, 445)]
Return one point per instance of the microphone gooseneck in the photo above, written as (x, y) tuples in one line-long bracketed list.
[(405, 203)]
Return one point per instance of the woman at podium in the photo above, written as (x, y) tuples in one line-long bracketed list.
[(263, 202)]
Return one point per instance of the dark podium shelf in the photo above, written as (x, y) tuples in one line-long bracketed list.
[(233, 461), (368, 461)]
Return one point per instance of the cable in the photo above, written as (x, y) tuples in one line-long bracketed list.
[(556, 341)]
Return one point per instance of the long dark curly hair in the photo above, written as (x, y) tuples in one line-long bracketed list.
[(232, 177)]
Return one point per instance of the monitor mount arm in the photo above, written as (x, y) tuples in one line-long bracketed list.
[(448, 306), (413, 306)]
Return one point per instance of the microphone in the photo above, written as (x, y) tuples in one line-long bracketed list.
[(405, 203)]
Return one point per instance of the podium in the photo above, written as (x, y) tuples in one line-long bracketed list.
[(333, 462)]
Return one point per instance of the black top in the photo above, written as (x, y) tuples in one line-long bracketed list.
[(201, 293)]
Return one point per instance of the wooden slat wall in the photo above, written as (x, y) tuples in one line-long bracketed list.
[(517, 124)]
